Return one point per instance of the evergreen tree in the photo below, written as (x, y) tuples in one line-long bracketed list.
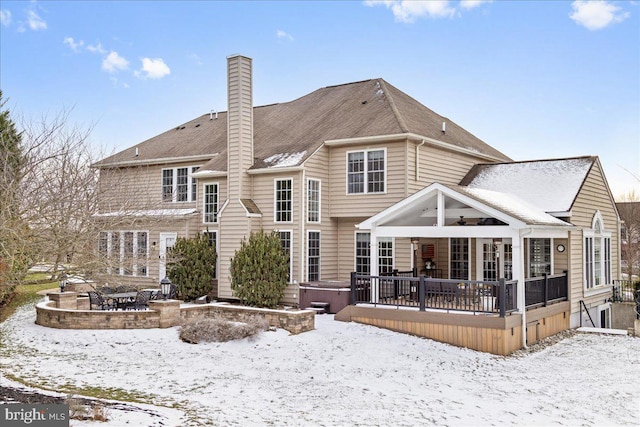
[(260, 270), (192, 266)]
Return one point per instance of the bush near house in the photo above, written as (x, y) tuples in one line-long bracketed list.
[(221, 330), (191, 264), (260, 270)]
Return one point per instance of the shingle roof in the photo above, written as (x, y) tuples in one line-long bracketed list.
[(551, 185), (288, 133)]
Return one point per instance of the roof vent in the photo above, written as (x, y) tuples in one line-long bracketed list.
[(137, 152), (444, 127), (198, 125), (364, 102), (211, 117)]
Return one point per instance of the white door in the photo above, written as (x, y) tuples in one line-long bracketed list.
[(167, 240), (495, 260)]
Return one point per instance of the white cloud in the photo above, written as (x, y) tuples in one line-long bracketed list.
[(472, 4), (35, 22), (153, 69), (114, 62), (283, 35), (75, 46), (409, 11), (5, 17), (96, 48), (596, 15)]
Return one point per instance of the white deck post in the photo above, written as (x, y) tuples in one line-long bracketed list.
[(373, 254)]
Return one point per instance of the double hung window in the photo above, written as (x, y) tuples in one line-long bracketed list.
[(125, 252), (283, 200), (210, 203), (366, 171), (178, 185)]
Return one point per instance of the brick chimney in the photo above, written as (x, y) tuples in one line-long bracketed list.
[(239, 125)]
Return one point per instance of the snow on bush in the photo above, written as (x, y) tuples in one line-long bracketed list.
[(220, 330)]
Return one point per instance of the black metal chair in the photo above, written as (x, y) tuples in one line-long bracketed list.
[(96, 299), (173, 293), (141, 302)]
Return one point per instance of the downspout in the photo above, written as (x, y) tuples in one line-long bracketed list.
[(303, 230), (521, 296), (418, 159)]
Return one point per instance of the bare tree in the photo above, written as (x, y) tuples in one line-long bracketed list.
[(629, 210)]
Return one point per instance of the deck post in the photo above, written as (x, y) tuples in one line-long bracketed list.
[(545, 290), (421, 292), (353, 288), (503, 297)]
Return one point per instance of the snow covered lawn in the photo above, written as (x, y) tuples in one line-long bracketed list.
[(341, 374)]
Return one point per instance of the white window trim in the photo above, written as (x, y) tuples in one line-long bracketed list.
[(366, 171), (319, 256), (204, 201), (174, 191), (290, 231), (319, 201), (275, 200), (604, 236)]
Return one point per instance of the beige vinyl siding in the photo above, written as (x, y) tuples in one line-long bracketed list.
[(437, 165), (316, 168), (137, 188), (234, 226), (239, 125), (593, 196), (364, 205)]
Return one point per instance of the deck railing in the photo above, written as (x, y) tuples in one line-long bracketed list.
[(498, 297), (545, 290), (625, 290)]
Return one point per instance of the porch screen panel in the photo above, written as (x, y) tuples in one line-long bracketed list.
[(507, 259), (459, 256), (363, 253), (539, 257)]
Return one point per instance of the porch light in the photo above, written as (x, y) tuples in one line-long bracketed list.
[(415, 240), (165, 287), (63, 281)]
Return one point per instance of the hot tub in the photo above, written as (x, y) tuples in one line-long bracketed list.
[(336, 293)]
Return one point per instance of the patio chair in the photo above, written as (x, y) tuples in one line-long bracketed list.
[(104, 290), (97, 300), (125, 288), (173, 293), (141, 302)]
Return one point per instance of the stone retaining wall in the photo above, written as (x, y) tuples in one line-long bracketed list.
[(68, 310)]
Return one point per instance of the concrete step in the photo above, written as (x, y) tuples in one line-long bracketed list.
[(318, 310)]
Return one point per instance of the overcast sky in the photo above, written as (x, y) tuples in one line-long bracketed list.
[(534, 79)]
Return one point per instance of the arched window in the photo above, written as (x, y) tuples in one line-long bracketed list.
[(597, 254)]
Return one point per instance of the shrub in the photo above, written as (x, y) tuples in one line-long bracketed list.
[(192, 266), (220, 330), (260, 270)]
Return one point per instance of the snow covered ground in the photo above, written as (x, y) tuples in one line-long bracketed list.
[(341, 374)]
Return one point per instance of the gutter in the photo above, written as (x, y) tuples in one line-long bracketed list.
[(411, 136), (163, 160), (418, 159)]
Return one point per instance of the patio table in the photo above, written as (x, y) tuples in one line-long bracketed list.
[(121, 298)]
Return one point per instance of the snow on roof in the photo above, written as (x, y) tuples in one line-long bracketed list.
[(513, 205), (551, 185), (285, 159)]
